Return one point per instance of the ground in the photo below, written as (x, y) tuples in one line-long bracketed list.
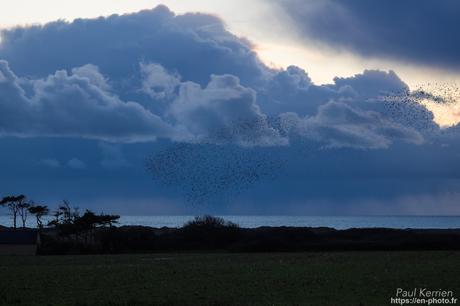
[(354, 278)]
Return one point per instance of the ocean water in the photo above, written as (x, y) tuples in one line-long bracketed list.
[(396, 222)]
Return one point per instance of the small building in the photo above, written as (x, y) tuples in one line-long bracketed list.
[(19, 242)]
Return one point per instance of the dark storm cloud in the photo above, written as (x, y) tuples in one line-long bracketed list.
[(195, 45), (186, 78), (420, 31)]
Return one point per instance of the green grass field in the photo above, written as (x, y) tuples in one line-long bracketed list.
[(358, 278)]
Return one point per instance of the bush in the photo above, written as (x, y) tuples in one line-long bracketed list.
[(209, 222), (209, 232)]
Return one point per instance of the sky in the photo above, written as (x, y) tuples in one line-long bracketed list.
[(234, 107)]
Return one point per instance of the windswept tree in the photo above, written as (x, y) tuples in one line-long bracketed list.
[(23, 211), (39, 211), (89, 221), (14, 204), (67, 214), (109, 220), (2, 203), (64, 220), (71, 225), (86, 224), (64, 214), (55, 222)]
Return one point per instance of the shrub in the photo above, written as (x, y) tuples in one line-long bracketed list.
[(209, 222), (209, 232)]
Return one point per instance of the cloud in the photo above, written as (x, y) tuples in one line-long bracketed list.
[(223, 112), (73, 163), (195, 45), (291, 90), (50, 162), (69, 105), (3, 78), (76, 164), (81, 104), (157, 82), (371, 110), (151, 74), (338, 125), (420, 31), (93, 75), (385, 93), (372, 83)]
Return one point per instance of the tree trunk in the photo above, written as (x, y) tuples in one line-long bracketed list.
[(39, 222)]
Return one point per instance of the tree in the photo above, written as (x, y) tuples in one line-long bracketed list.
[(68, 216), (64, 214), (23, 210), (86, 224), (109, 220), (2, 203), (39, 211), (70, 224), (14, 203), (64, 220)]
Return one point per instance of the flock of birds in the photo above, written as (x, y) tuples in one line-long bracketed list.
[(206, 173), (212, 171), (407, 109), (430, 107)]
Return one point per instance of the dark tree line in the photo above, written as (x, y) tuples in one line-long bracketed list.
[(67, 220), (73, 225)]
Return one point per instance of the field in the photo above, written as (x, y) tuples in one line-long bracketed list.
[(353, 278)]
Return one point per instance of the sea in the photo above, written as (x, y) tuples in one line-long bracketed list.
[(337, 222)]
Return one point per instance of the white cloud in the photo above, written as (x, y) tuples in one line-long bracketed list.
[(338, 125), (73, 106), (157, 82), (92, 73), (223, 112)]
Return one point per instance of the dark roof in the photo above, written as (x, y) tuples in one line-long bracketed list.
[(18, 237)]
